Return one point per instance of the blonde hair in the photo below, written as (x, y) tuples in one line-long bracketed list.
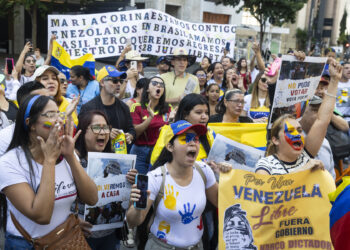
[(255, 94), (275, 129)]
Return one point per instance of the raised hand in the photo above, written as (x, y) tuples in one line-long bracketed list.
[(130, 176), (68, 142), (335, 70), (51, 148), (150, 110)]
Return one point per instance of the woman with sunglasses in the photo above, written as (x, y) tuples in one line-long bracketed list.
[(148, 117), (95, 130), (178, 211), (48, 76), (256, 105), (41, 158), (63, 83), (230, 107), (202, 79)]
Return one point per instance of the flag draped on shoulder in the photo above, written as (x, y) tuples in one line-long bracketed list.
[(62, 61), (251, 134), (340, 215)]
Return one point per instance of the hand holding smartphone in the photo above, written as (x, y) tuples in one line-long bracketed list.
[(133, 65), (142, 185), (276, 64)]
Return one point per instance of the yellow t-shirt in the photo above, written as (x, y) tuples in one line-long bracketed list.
[(176, 87), (63, 107), (160, 144)]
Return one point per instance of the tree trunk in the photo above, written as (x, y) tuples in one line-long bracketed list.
[(34, 20)]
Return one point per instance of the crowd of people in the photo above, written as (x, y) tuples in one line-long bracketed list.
[(49, 124)]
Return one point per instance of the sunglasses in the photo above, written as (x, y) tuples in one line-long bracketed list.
[(155, 83), (30, 61), (96, 129), (187, 138), (114, 80), (263, 79)]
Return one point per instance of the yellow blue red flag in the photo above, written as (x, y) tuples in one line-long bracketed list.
[(251, 134), (62, 61)]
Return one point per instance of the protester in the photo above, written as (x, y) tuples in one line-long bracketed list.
[(325, 153), (213, 94), (48, 76), (183, 176), (94, 137), (256, 105), (134, 74), (217, 71), (138, 92), (12, 84), (260, 67), (149, 116), (232, 81), (39, 60), (193, 108), (179, 83), (202, 79), (242, 70), (117, 111), (343, 92), (163, 65), (63, 83), (32, 166), (230, 107), (205, 63), (8, 110), (83, 85), (287, 150), (227, 63)]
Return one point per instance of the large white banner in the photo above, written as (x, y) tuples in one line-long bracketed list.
[(149, 31)]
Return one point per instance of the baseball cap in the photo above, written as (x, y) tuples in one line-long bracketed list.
[(180, 127), (324, 80), (162, 59), (39, 71), (110, 70), (132, 55)]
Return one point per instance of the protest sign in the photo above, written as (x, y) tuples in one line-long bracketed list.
[(150, 32), (108, 171), (296, 84), (240, 156), (274, 212), (251, 134)]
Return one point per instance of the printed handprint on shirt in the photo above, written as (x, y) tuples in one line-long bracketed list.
[(187, 216), (170, 198), (163, 229)]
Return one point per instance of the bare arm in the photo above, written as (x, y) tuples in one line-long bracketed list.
[(19, 63), (49, 51), (122, 55), (261, 171), (319, 128), (259, 58), (340, 123), (252, 63)]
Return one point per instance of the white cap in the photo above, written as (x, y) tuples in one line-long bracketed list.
[(39, 71)]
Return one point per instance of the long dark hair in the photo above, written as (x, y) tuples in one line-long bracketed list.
[(221, 108), (186, 105), (212, 67), (85, 120), (82, 71), (164, 156), (239, 65), (140, 85), (162, 106), (25, 58), (21, 139)]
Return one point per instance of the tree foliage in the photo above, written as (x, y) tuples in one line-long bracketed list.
[(277, 12), (343, 38), (301, 36)]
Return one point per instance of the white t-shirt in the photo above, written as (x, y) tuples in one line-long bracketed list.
[(274, 166), (129, 90), (24, 79), (14, 169), (11, 89), (178, 217), (6, 137), (256, 113)]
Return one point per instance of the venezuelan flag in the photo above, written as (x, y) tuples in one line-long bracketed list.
[(251, 134), (62, 61), (340, 215)]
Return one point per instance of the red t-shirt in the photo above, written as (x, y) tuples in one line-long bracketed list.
[(151, 134)]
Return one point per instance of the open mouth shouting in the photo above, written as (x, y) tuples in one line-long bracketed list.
[(293, 137)]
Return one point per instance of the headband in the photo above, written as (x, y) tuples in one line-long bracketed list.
[(29, 107)]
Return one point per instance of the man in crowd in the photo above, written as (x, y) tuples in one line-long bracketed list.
[(343, 98), (111, 81), (178, 82), (163, 65)]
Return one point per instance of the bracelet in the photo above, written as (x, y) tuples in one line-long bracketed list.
[(330, 95)]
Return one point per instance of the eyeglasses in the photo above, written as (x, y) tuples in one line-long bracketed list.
[(96, 129), (187, 138), (263, 79), (30, 61), (63, 80), (237, 101), (201, 75), (114, 80), (54, 114), (155, 83)]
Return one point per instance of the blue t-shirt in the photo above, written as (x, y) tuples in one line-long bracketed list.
[(91, 90)]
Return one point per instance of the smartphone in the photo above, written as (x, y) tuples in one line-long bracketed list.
[(9, 65), (29, 40), (142, 184), (227, 46), (276, 64), (133, 65)]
